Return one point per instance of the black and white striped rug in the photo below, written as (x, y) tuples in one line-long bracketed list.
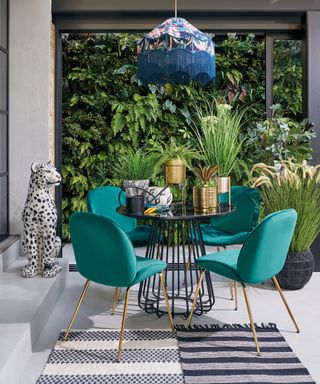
[(227, 355), (88, 357), (208, 355)]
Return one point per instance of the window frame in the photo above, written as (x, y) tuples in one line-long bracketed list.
[(6, 113)]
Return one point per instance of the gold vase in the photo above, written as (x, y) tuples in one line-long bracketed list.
[(205, 199), (224, 186), (176, 171)]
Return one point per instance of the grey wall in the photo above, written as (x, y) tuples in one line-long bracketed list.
[(185, 5), (29, 99)]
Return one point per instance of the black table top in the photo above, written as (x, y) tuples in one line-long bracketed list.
[(177, 211)]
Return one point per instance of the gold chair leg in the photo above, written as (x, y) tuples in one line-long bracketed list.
[(166, 300), (195, 298), (275, 282), (251, 320), (83, 293), (115, 300), (123, 324), (231, 289), (235, 296)]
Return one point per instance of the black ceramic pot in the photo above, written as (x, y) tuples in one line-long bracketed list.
[(297, 270)]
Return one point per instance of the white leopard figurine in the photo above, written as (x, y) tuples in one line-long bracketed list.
[(39, 240)]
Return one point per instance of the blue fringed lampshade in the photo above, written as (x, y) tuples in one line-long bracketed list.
[(176, 52)]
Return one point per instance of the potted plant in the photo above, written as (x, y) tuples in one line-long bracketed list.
[(135, 168), (217, 133), (291, 185), (205, 193), (175, 156)]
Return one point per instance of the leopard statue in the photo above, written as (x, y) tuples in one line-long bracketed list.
[(39, 241)]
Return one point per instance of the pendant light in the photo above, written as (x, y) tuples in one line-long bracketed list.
[(176, 51)]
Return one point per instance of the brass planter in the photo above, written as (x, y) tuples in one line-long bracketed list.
[(205, 199), (176, 171)]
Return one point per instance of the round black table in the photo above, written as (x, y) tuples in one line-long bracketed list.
[(176, 238)]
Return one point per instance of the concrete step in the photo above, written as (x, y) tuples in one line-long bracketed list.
[(26, 305), (9, 252)]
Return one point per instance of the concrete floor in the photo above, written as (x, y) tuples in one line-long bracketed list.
[(265, 302)]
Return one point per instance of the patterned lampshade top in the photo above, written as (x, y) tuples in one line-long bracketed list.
[(176, 51)]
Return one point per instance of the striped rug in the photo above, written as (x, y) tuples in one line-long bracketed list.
[(88, 357), (227, 355)]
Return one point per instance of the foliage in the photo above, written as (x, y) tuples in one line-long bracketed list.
[(217, 135), (292, 185), (134, 165), (205, 175), (278, 138), (287, 76), (105, 107), (174, 150)]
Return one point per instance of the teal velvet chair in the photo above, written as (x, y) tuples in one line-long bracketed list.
[(234, 228), (105, 255), (261, 258), (104, 201)]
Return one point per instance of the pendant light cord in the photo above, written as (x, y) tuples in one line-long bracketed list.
[(175, 8)]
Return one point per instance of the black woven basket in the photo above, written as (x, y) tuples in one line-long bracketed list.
[(297, 270)]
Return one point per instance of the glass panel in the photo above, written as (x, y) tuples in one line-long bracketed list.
[(3, 205), (3, 143), (3, 81), (287, 76), (3, 24)]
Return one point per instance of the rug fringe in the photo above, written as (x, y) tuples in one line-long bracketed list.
[(182, 327)]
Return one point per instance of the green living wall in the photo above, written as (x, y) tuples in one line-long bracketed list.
[(105, 107)]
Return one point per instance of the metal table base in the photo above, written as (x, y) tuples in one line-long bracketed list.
[(179, 243)]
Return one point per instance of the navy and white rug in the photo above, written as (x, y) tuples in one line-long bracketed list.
[(227, 355), (88, 357), (208, 355)]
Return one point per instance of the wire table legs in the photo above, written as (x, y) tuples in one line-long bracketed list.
[(179, 243)]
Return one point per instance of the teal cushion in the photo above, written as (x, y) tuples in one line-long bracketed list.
[(139, 235), (147, 268), (213, 236), (223, 263)]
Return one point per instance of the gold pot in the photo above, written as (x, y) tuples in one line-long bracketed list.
[(205, 199), (176, 171)]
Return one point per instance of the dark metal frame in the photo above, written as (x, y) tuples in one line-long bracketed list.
[(179, 243), (6, 113)]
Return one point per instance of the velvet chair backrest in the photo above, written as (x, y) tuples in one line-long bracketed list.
[(103, 252), (264, 253), (245, 217), (104, 201)]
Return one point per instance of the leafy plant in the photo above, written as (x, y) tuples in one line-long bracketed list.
[(174, 150), (292, 185), (217, 135), (278, 138), (205, 175), (134, 165)]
